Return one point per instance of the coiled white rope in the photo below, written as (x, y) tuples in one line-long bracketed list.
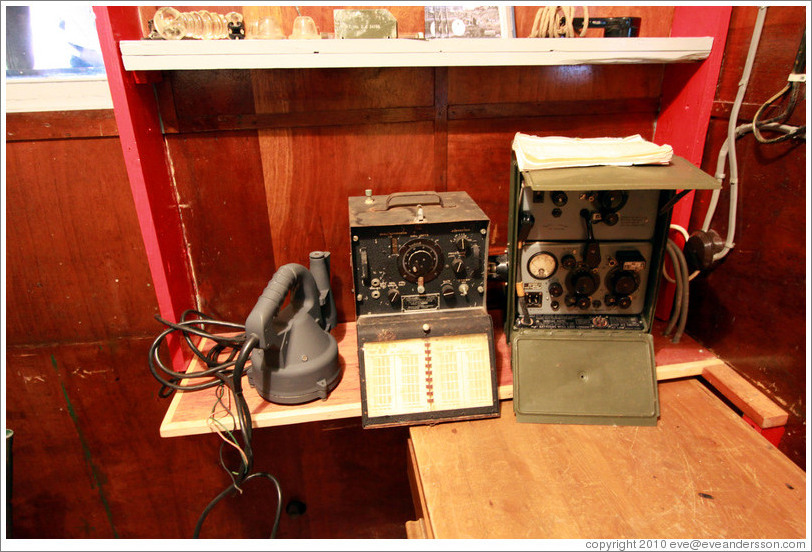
[(548, 24)]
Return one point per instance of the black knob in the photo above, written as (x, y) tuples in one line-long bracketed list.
[(584, 282), (623, 282), (458, 267), (394, 297), (583, 302), (568, 261), (556, 289), (447, 291), (462, 244), (612, 200), (559, 199), (624, 302)]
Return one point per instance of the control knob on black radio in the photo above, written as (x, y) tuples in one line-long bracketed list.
[(394, 297)]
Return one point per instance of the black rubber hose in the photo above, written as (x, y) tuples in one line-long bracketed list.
[(678, 280), (683, 319)]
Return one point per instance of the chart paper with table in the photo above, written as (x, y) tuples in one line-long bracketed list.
[(447, 373)]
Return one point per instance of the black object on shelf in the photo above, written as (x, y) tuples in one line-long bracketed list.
[(612, 26)]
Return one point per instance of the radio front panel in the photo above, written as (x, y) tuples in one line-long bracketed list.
[(557, 280), (412, 268), (614, 214)]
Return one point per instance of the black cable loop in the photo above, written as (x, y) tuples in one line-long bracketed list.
[(228, 373), (231, 488)]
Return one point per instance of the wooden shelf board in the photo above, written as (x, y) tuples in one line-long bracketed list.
[(147, 55), (188, 412)]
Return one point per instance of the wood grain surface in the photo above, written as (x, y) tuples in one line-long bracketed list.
[(76, 266), (702, 472)]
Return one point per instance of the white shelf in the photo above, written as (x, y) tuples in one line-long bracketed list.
[(147, 55)]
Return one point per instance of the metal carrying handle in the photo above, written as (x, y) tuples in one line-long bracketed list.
[(433, 198)]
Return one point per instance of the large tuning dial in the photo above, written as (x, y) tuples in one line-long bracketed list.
[(583, 281), (623, 282), (420, 258)]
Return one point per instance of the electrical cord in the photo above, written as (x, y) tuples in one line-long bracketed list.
[(231, 489), (685, 235), (679, 313), (223, 373), (678, 281), (244, 475), (793, 89), (727, 153)]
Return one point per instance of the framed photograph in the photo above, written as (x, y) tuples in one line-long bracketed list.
[(470, 22)]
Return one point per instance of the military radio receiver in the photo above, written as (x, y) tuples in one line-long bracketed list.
[(586, 248), (425, 339)]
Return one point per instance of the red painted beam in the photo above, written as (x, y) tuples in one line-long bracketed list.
[(145, 158), (687, 100), (772, 434)]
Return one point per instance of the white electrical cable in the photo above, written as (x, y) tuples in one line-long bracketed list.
[(741, 130), (681, 230), (731, 137), (685, 235)]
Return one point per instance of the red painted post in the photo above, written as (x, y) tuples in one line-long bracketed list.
[(145, 158), (687, 99)]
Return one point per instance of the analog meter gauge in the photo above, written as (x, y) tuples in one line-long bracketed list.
[(542, 265)]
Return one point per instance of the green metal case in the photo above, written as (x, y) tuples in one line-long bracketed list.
[(596, 367)]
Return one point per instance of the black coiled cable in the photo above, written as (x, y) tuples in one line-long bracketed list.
[(229, 372)]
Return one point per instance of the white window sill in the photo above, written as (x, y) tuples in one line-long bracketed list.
[(55, 94)]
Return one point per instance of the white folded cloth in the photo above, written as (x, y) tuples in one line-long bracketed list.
[(553, 152)]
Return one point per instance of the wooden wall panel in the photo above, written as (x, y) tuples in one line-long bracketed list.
[(750, 308), (310, 173), (53, 467), (47, 125), (89, 462), (194, 94), (302, 90), (76, 267), (222, 198), (778, 45), (586, 83)]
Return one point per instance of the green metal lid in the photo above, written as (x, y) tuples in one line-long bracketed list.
[(584, 377), (680, 174)]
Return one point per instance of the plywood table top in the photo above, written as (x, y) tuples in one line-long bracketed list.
[(702, 472)]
